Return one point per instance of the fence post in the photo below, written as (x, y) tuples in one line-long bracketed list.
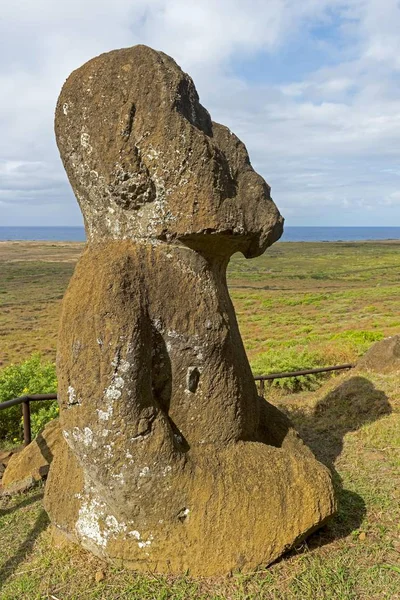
[(26, 412), (262, 388)]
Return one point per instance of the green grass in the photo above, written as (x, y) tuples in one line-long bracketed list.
[(332, 299), (297, 304), (356, 555), (33, 280), (323, 297)]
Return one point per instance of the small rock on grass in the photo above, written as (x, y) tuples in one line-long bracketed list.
[(100, 576), (18, 487), (5, 455)]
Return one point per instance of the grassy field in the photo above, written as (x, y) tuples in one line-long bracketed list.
[(298, 305), (329, 299)]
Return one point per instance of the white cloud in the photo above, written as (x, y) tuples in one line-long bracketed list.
[(324, 135)]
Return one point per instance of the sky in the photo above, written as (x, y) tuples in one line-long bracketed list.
[(311, 87)]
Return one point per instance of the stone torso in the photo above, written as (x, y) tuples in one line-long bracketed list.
[(165, 313)]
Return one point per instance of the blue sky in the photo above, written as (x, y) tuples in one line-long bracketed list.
[(311, 87)]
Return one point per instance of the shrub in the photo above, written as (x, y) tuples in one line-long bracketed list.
[(359, 339), (33, 376), (305, 299), (286, 360), (40, 418)]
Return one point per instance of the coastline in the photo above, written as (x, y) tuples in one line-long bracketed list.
[(291, 234)]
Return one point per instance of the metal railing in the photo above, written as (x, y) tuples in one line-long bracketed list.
[(25, 400), (263, 378), (26, 410)]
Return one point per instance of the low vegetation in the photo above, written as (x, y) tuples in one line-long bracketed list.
[(334, 299), (300, 305), (33, 376)]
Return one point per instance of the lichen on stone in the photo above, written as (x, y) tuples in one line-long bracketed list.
[(169, 460)]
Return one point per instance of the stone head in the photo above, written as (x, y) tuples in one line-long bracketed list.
[(147, 163)]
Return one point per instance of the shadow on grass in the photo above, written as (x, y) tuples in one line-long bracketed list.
[(42, 521), (25, 548), (26, 502), (354, 403)]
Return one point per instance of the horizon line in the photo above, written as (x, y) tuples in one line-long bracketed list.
[(285, 226)]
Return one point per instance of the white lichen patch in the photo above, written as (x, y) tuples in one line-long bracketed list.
[(152, 154), (113, 524), (85, 139), (104, 415), (88, 526), (158, 325), (199, 352), (124, 366), (173, 334), (71, 395), (84, 436), (108, 451), (138, 537), (119, 477), (147, 543), (114, 226), (96, 525), (113, 391), (144, 471)]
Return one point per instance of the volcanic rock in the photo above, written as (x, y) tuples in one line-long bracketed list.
[(171, 461), (32, 464), (383, 356)]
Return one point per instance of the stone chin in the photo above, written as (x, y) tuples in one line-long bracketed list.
[(268, 236), (225, 243)]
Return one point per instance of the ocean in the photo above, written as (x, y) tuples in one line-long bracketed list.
[(291, 234)]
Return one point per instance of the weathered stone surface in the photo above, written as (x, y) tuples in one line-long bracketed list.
[(146, 161), (382, 357), (18, 487), (34, 460), (5, 457), (171, 462), (4, 460)]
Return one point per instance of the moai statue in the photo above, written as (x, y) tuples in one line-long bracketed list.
[(171, 461)]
